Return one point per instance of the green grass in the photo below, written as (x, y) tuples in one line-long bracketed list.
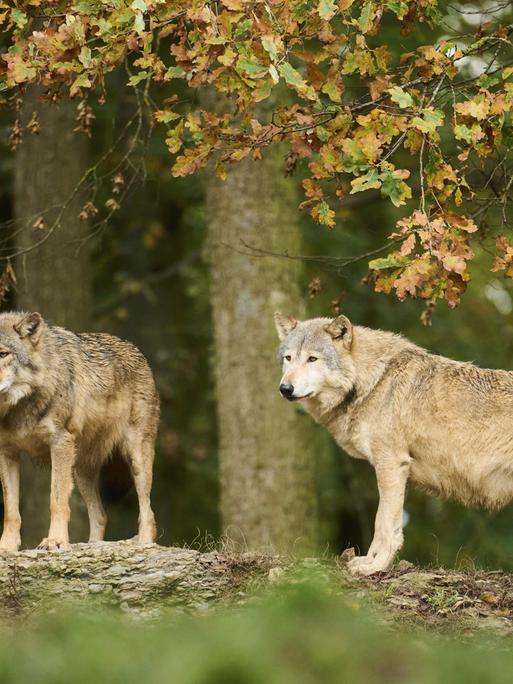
[(302, 633)]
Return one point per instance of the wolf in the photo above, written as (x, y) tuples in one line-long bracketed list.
[(71, 400), (444, 425)]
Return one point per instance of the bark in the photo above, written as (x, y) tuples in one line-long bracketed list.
[(267, 474), (53, 278)]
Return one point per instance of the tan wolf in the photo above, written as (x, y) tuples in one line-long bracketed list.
[(70, 400), (446, 426)]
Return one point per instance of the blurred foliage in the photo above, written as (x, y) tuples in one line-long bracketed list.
[(302, 633)]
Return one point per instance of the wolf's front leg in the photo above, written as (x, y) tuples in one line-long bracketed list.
[(63, 458), (10, 476), (392, 475)]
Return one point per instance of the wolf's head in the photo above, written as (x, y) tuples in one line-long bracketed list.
[(19, 337), (315, 356)]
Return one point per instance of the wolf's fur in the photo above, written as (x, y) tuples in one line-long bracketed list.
[(71, 399), (445, 425)]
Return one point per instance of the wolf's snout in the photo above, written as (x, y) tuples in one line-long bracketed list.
[(287, 391)]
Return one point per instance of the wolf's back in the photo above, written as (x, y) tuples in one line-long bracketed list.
[(103, 363)]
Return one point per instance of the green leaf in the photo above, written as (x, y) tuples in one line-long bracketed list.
[(326, 215), (253, 68), (394, 186), (241, 29), (139, 5), (332, 90), (390, 261), (370, 180), (322, 134), (216, 40), (294, 78), (23, 72), (486, 81), (327, 9), (400, 97), (366, 17), (291, 76), (270, 46), (431, 119), (350, 63), (81, 82), (19, 18), (174, 72), (85, 56), (462, 132), (139, 25), (398, 7), (137, 78)]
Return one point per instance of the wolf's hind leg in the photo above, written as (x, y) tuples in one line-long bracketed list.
[(87, 478), (10, 476), (140, 455)]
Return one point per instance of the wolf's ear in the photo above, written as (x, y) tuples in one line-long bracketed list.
[(284, 324), (341, 329), (31, 326)]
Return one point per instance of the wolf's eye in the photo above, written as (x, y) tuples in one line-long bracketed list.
[(311, 359), (3, 354), (288, 357)]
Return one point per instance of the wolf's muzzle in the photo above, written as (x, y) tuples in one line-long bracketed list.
[(287, 391)]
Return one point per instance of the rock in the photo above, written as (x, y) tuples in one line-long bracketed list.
[(139, 579), (275, 574), (404, 566)]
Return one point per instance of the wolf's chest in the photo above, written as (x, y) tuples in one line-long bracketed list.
[(32, 444), (355, 441), (25, 434)]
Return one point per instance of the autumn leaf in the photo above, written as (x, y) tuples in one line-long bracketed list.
[(273, 45), (294, 78), (367, 16), (81, 82), (327, 9), (347, 105), (174, 72), (393, 185), (402, 98), (19, 17), (137, 78), (390, 261), (430, 120), (366, 182), (462, 132), (323, 214)]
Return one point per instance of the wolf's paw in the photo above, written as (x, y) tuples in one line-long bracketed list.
[(143, 539), (8, 546), (54, 544), (147, 535), (368, 565)]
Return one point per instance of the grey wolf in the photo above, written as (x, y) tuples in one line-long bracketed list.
[(70, 400), (444, 425)]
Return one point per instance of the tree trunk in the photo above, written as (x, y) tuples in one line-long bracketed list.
[(53, 278), (267, 474)]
